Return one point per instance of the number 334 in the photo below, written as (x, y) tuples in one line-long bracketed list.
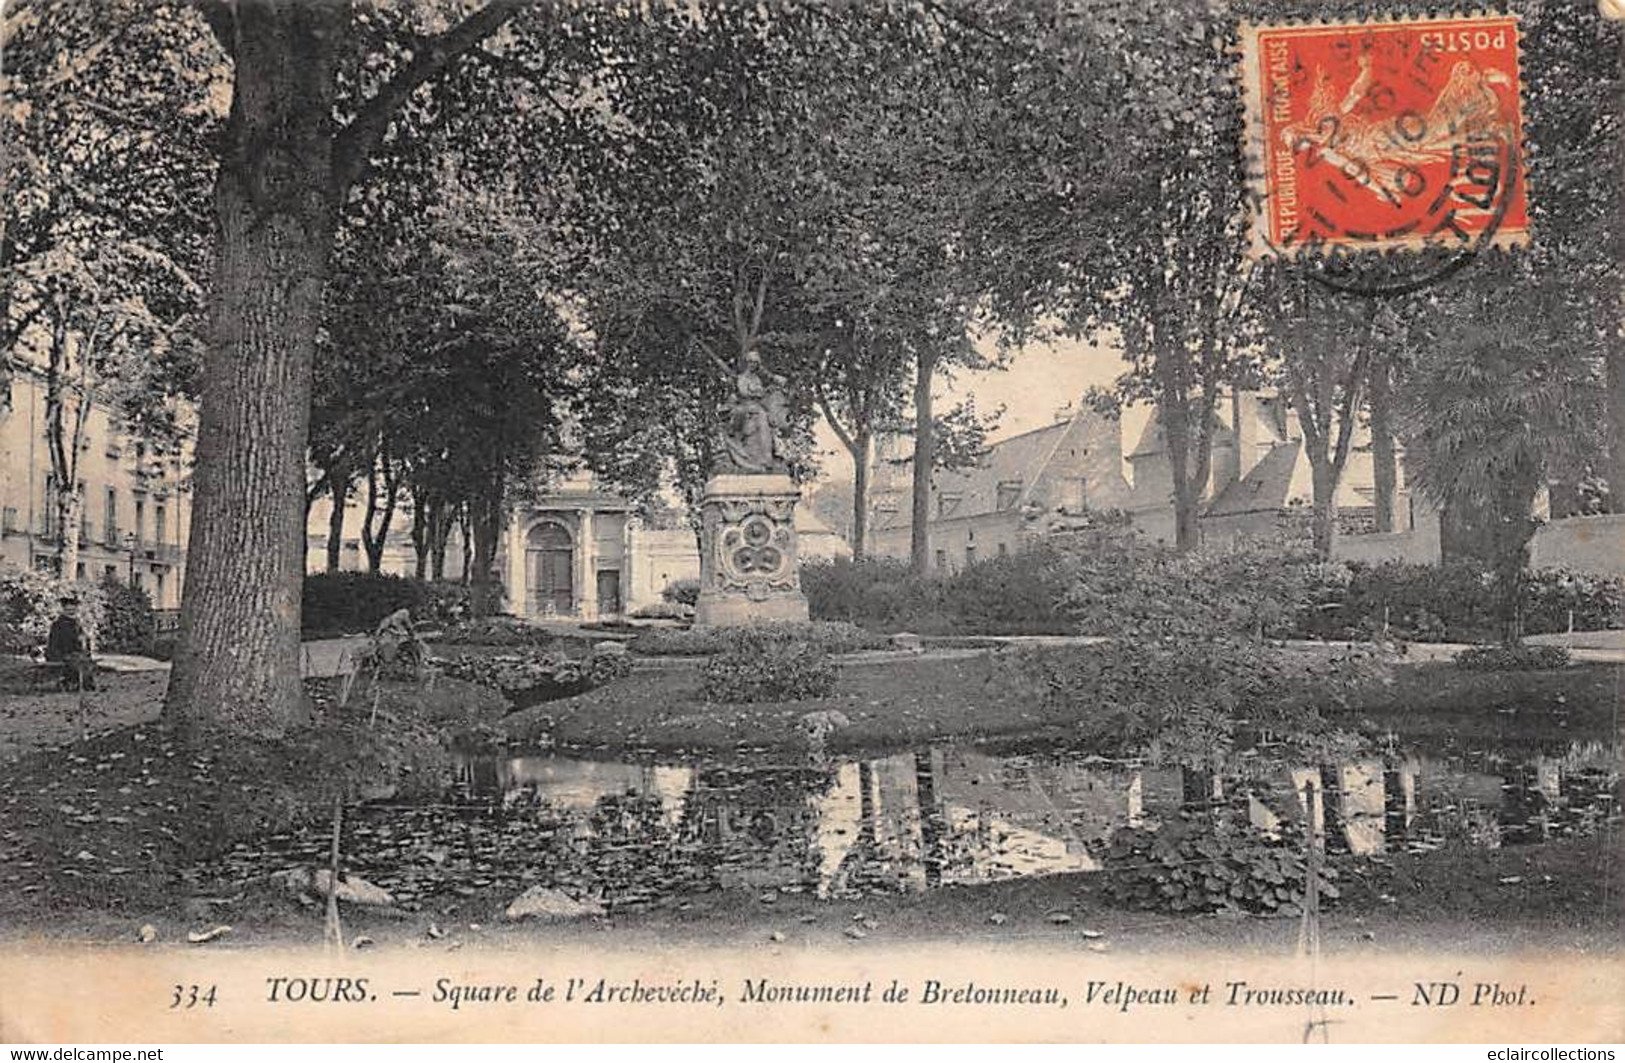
[(190, 996)]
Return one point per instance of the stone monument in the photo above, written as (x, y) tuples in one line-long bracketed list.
[(748, 565)]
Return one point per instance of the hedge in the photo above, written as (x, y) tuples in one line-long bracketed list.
[(1112, 582), (354, 602)]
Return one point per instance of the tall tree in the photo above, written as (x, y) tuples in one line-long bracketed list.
[(1495, 412)]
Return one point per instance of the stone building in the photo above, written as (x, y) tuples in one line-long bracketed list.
[(1021, 487), (1260, 484), (576, 551), (137, 501)]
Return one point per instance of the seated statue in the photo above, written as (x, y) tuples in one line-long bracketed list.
[(752, 441)]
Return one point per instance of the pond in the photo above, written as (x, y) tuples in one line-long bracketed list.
[(642, 834)]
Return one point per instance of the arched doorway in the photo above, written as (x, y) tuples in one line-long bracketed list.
[(549, 570)]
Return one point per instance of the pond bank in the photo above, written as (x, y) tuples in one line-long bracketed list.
[(1560, 902)]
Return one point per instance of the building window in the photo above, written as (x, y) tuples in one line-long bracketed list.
[(942, 560), (79, 571), (947, 504), (1009, 494), (158, 590), (970, 554), (1004, 550), (110, 573), (160, 523), (1075, 496), (110, 536), (140, 518), (138, 580)]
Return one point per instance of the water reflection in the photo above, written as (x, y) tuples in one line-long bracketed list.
[(635, 834), (948, 816)]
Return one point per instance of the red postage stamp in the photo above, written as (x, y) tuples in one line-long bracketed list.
[(1385, 135)]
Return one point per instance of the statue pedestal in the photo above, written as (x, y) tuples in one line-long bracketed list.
[(748, 566)]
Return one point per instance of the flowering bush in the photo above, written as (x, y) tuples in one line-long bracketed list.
[(30, 600)]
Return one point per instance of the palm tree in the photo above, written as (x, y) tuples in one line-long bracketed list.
[(1498, 409)]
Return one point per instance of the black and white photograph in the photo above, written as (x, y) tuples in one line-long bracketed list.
[(819, 521)]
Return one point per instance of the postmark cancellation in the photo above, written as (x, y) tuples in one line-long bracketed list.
[(1384, 135)]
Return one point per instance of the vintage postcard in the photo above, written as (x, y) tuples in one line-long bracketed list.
[(1000, 521)]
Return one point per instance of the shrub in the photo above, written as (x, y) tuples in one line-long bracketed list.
[(527, 678), (663, 611), (1520, 658), (497, 631), (354, 602), (1193, 864), (681, 591), (827, 636), (30, 600), (1552, 596), (767, 663), (126, 623), (1187, 701)]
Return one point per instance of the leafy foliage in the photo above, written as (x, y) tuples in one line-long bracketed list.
[(126, 624), (527, 678), (353, 602), (30, 600), (827, 636), (1519, 658), (767, 663), (1188, 701), (1193, 864), (681, 591)]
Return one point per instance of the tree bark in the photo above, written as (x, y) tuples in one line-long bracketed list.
[(282, 173), (861, 454), (924, 460), (420, 539), (375, 538), (485, 593), (440, 523), (237, 661), (1384, 454), (335, 521)]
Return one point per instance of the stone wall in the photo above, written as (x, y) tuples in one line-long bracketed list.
[(1585, 544)]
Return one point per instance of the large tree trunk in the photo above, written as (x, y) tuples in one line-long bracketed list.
[(237, 665), (924, 459), (863, 445), (485, 592), (1384, 457), (335, 521), (375, 538), (1511, 530), (420, 538), (1323, 521), (1187, 487), (70, 509), (440, 532)]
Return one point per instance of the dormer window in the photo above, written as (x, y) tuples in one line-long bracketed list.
[(1009, 493)]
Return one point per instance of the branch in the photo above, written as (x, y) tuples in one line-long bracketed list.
[(356, 143), (829, 415)]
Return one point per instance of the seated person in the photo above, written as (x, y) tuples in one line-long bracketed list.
[(67, 645)]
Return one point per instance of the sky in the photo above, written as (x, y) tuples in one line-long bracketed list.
[(1038, 380)]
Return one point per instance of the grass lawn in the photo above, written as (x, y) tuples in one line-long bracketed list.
[(888, 704), (899, 703)]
